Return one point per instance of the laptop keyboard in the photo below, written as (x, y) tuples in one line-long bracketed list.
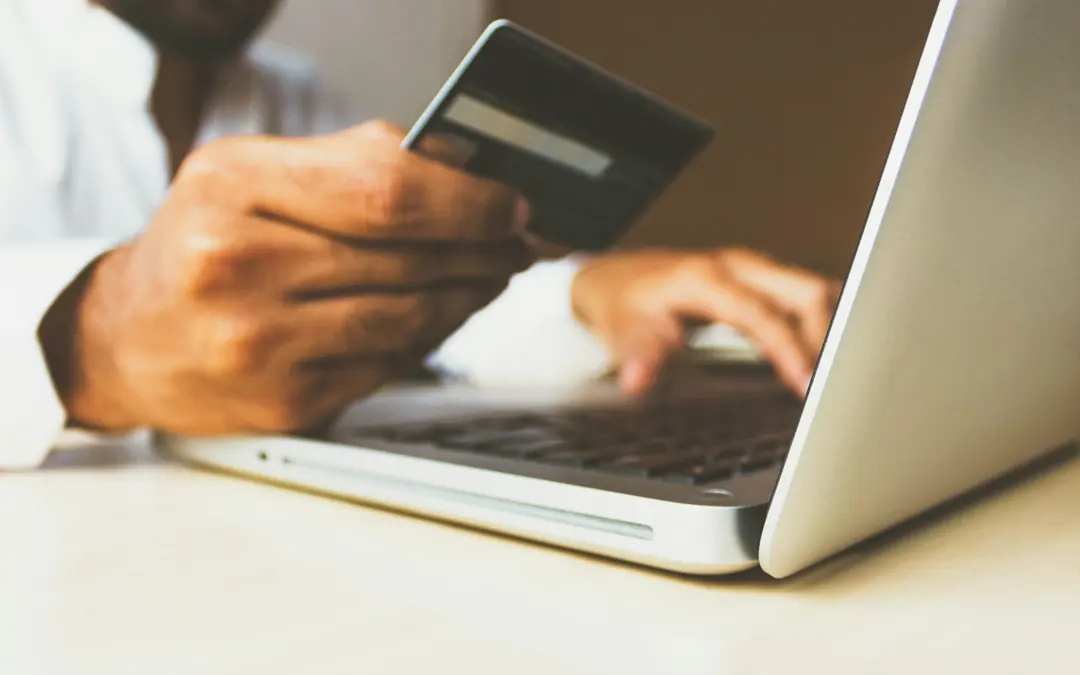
[(693, 443)]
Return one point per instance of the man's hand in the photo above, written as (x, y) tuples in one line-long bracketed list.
[(282, 280), (639, 304)]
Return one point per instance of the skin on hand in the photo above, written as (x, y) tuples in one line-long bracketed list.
[(639, 303), (283, 279)]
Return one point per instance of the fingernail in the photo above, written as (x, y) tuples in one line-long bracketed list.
[(634, 378), (522, 214), (806, 383), (532, 241)]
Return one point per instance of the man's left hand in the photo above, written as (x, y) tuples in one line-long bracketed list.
[(639, 303)]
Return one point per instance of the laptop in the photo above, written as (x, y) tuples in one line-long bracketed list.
[(953, 358)]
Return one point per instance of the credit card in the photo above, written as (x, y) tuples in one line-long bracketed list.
[(589, 150)]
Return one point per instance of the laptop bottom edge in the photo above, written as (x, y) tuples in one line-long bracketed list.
[(684, 538)]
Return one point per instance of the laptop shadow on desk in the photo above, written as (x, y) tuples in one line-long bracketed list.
[(828, 570), (853, 556), (90, 454)]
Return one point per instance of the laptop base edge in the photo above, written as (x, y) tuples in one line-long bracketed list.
[(689, 539)]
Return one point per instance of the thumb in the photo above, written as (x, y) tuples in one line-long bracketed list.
[(638, 376), (642, 348), (451, 150)]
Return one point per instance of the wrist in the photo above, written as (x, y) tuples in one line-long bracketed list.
[(75, 335), (580, 293)]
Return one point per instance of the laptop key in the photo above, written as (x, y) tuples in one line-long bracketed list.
[(769, 446), (515, 422), (529, 435), (756, 465), (523, 448), (700, 473), (405, 434), (476, 439), (576, 458), (642, 464), (716, 453)]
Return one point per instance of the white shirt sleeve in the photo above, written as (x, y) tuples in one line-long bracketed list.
[(527, 337), (36, 261), (31, 278)]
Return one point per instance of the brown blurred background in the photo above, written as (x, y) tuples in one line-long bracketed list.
[(805, 97)]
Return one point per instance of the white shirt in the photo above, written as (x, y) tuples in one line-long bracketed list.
[(83, 167)]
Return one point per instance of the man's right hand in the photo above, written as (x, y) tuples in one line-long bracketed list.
[(282, 280)]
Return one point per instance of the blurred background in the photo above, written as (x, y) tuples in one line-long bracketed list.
[(805, 96), (389, 56)]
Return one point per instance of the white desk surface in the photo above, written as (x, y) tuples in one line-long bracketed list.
[(114, 562)]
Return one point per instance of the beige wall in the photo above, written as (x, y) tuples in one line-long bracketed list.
[(390, 56), (804, 95)]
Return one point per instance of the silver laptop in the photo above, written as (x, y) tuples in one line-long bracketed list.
[(953, 358)]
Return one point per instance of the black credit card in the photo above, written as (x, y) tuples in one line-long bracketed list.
[(588, 150)]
